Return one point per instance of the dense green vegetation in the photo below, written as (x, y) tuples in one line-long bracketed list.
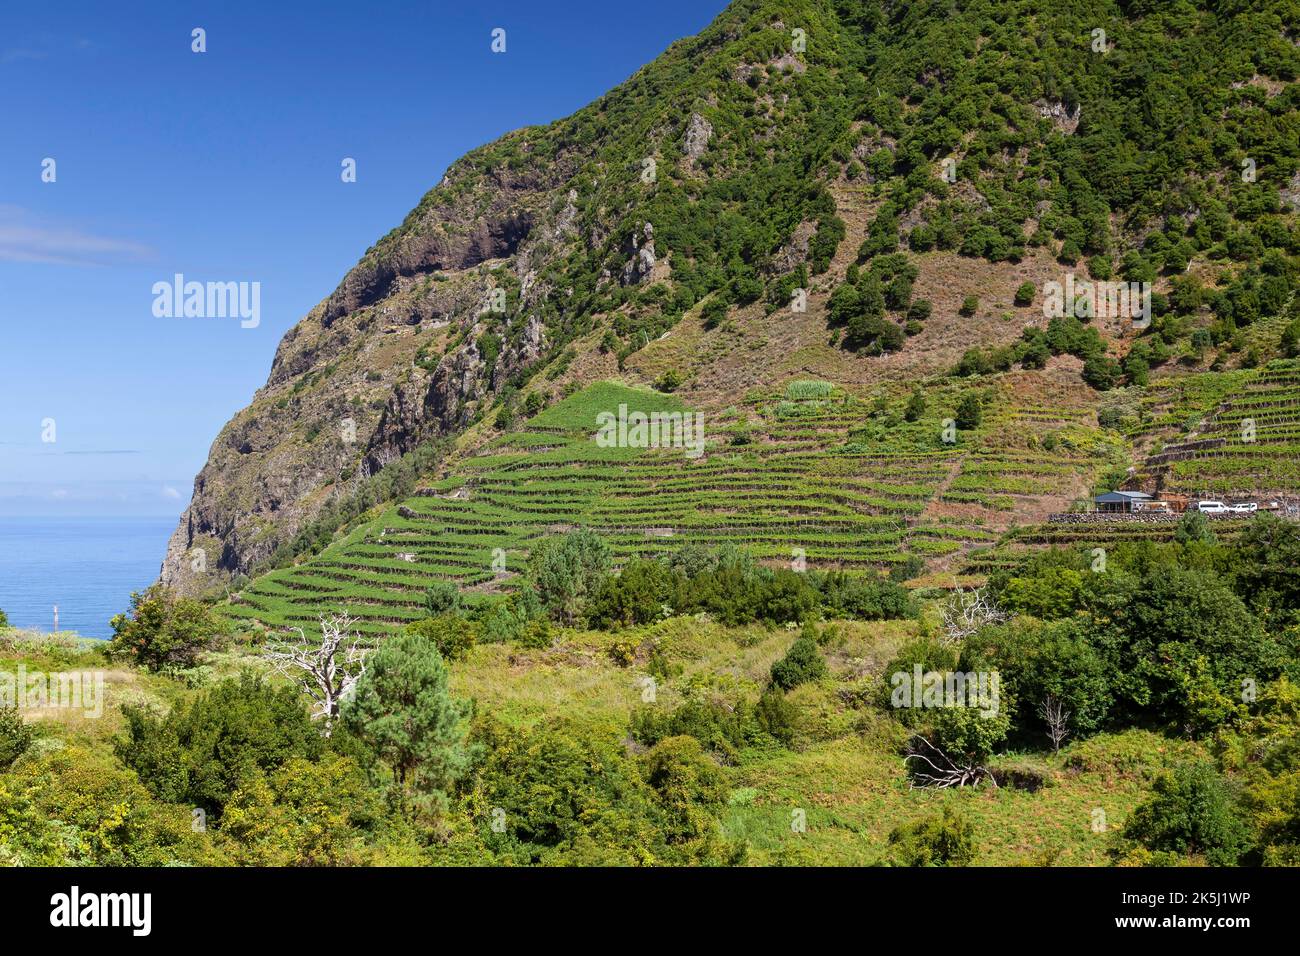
[(1173, 672)]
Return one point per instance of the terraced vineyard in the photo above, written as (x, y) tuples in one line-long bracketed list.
[(782, 476), (1247, 445)]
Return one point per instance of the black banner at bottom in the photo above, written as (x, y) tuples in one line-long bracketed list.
[(230, 905)]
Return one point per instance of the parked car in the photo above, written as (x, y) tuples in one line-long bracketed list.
[(1245, 508), (1212, 508)]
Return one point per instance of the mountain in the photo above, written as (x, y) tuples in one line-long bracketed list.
[(831, 228)]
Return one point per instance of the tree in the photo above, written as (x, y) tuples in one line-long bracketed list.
[(163, 631), (325, 668), (565, 570), (1057, 719), (405, 710), (1194, 527)]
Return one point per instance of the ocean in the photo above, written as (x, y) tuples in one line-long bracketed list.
[(87, 566)]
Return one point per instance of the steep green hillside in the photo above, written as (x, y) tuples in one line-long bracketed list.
[(922, 170)]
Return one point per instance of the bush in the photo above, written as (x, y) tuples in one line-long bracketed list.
[(970, 412), (970, 305), (637, 595), (864, 597), (205, 749), (776, 716), (719, 727), (690, 787), (15, 737), (163, 631), (4, 620), (944, 839), (669, 381), (915, 406), (452, 634), (1192, 811), (443, 597), (802, 663), (1025, 294)]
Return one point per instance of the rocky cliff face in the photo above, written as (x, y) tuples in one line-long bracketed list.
[(392, 358)]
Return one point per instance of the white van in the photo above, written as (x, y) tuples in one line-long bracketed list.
[(1212, 508)]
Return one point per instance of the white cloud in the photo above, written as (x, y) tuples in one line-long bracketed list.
[(24, 240), (170, 492)]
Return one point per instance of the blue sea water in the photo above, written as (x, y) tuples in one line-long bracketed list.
[(87, 566)]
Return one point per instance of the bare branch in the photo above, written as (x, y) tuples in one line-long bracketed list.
[(327, 669), (967, 612)]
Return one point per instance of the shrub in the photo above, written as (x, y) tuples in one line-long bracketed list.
[(1191, 811), (1025, 294), (970, 305), (690, 787), (776, 716), (1101, 372), (15, 737), (452, 634), (970, 412), (204, 750), (714, 724), (942, 839), (442, 597), (669, 381), (637, 595), (864, 597), (803, 662), (915, 406)]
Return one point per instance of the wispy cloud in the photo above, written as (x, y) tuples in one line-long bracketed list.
[(26, 239), (14, 54)]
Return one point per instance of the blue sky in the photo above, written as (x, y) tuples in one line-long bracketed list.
[(225, 166)]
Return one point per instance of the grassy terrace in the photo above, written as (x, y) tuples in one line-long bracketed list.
[(779, 475)]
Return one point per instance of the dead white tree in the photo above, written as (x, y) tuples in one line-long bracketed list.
[(967, 612), (326, 668), (931, 768), (1057, 719)]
